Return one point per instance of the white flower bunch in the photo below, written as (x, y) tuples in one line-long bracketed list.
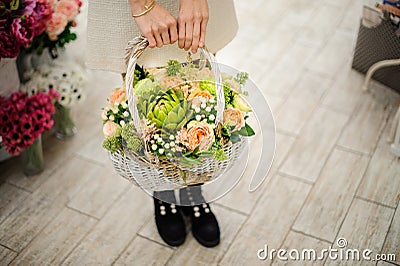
[(68, 80)]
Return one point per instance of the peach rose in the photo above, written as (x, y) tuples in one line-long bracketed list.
[(118, 96), (111, 129), (200, 134), (69, 8), (234, 117), (197, 96), (56, 25)]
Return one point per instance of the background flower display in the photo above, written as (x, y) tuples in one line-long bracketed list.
[(68, 80), (20, 22), (178, 110), (24, 118), (57, 31)]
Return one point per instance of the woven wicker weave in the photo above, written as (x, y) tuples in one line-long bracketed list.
[(374, 45), (166, 176)]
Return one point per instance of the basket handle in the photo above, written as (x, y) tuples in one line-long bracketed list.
[(134, 50)]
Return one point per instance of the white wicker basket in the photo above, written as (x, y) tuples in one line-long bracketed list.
[(157, 178), (158, 175)]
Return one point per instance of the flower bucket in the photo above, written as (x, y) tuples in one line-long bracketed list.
[(33, 161), (64, 122)]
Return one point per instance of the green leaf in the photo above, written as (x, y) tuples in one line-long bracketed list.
[(161, 116), (181, 112), (173, 67), (172, 118), (191, 160), (206, 154), (242, 77), (182, 123), (180, 95), (14, 5), (156, 112), (235, 138), (170, 126), (246, 131)]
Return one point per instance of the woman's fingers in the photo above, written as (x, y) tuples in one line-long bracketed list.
[(188, 36), (158, 25), (158, 37), (203, 28), (165, 37), (196, 36), (151, 40), (173, 32), (192, 24), (181, 35)]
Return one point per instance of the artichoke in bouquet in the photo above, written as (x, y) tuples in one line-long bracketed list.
[(169, 111)]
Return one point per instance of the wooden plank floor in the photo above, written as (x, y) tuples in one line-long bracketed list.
[(333, 177)]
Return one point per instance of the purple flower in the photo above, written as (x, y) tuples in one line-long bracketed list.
[(42, 13), (29, 6)]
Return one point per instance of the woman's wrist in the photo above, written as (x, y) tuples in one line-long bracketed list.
[(140, 6)]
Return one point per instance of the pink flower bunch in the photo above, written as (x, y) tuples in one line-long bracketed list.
[(64, 11), (23, 118), (20, 22)]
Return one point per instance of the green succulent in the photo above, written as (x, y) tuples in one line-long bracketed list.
[(178, 116), (112, 144), (133, 142), (169, 111)]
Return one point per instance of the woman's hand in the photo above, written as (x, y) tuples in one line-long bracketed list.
[(158, 26), (192, 24)]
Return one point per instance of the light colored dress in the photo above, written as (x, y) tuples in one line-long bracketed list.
[(111, 26)]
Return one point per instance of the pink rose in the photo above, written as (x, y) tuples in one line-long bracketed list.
[(70, 8), (56, 25), (111, 129)]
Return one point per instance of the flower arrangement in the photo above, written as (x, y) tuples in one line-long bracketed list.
[(178, 108), (67, 80), (24, 118), (20, 22), (58, 28)]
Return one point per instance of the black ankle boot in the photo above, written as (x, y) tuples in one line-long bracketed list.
[(205, 226), (169, 220)]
